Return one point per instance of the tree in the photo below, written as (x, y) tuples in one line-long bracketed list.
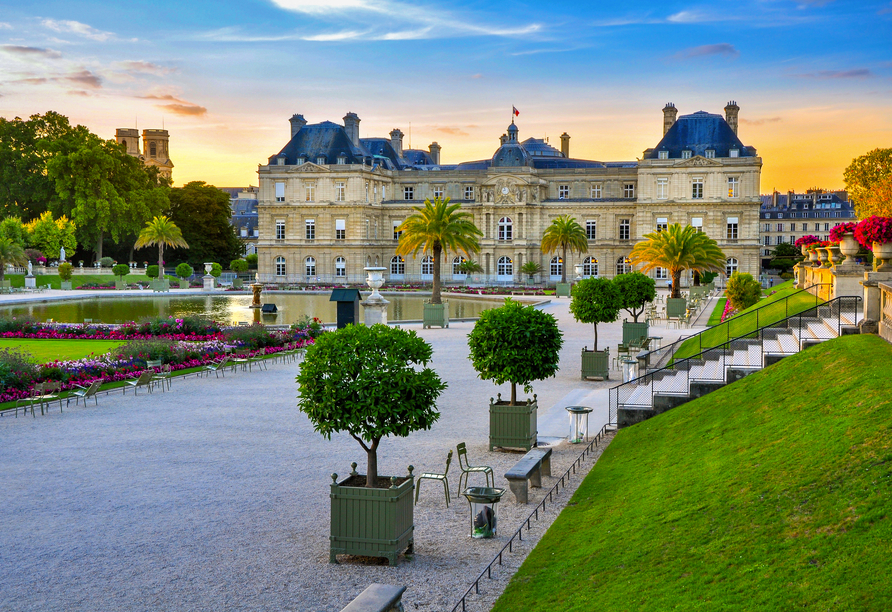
[(437, 228), (15, 230), (863, 175), (878, 201), (203, 214), (531, 268), (469, 266), (785, 249), (595, 300), (371, 382), (163, 232), (11, 253), (743, 291), (677, 249), (50, 235), (635, 291), (184, 271), (216, 270), (238, 266), (563, 233), (65, 271), (121, 270), (252, 260), (516, 344)]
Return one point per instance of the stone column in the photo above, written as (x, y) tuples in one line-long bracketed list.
[(872, 295)]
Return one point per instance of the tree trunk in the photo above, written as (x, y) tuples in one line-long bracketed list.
[(435, 293), (513, 394), (676, 281), (371, 474), (564, 265), (596, 336), (98, 249), (696, 278), (160, 261)]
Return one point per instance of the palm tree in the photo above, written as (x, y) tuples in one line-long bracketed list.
[(435, 228), (11, 253), (564, 232), (161, 231), (677, 249)]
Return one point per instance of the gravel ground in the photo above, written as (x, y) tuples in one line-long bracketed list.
[(214, 496)]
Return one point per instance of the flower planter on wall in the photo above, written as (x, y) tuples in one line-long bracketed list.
[(596, 364), (436, 314), (634, 331), (513, 426), (562, 290), (676, 307), (372, 522)]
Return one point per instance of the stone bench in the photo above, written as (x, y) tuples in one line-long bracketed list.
[(378, 598), (529, 469)]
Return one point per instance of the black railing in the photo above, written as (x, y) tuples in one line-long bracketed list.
[(534, 515), (745, 352)]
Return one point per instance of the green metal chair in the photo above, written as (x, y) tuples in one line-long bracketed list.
[(467, 468), (435, 476)]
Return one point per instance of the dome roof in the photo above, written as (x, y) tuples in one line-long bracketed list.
[(510, 154)]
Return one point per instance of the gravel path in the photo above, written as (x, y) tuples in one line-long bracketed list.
[(214, 496)]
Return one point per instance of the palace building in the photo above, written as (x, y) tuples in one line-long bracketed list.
[(329, 202)]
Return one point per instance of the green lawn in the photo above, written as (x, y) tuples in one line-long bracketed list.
[(716, 317), (770, 494), (50, 350), (18, 280)]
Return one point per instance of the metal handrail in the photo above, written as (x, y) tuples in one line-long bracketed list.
[(722, 351), (533, 515)]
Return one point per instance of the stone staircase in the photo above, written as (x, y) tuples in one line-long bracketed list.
[(661, 389)]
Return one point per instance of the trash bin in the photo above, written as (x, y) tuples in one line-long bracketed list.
[(578, 423), (348, 306), (483, 501)]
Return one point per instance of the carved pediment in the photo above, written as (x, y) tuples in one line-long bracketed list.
[(311, 167), (506, 190), (698, 161)]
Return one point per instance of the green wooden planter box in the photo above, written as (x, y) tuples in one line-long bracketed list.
[(596, 364), (65, 285), (676, 307), (237, 283), (160, 285), (120, 285), (562, 290), (634, 331), (513, 426), (184, 283), (372, 522), (436, 314)]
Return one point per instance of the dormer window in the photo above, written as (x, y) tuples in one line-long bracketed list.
[(734, 153), (342, 159), (320, 159), (686, 154), (710, 153), (663, 154), (280, 161), (301, 161)]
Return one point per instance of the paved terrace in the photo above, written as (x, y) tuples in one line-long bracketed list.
[(214, 496)]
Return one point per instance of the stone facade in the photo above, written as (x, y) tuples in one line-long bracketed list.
[(328, 203), (155, 148)]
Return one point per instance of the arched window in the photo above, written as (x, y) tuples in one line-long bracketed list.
[(427, 266), (557, 267), (589, 267), (341, 267), (124, 142), (310, 266), (505, 228), (456, 262), (505, 269), (152, 149), (280, 266), (731, 266), (397, 266), (623, 266)]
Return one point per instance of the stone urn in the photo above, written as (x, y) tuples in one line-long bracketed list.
[(849, 247), (375, 306), (804, 249), (375, 281), (882, 253), (823, 257), (834, 255), (813, 259)]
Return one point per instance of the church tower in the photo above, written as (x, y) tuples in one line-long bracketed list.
[(129, 137), (155, 151)]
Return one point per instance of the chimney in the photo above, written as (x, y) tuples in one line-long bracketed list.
[(297, 122), (731, 112), (351, 126), (434, 148), (503, 138), (396, 141), (774, 199), (669, 115), (565, 144)]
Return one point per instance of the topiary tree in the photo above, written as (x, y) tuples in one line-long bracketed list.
[(185, 271), (216, 270), (238, 266), (531, 268), (366, 381), (121, 270), (65, 271), (152, 271), (252, 260), (595, 300), (743, 291), (106, 262), (516, 344), (635, 291)]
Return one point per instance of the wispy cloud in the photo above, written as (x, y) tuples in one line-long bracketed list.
[(30, 52), (855, 73), (334, 36), (451, 130), (763, 121), (142, 67), (166, 97), (699, 17), (84, 78), (79, 29), (723, 49), (192, 110), (5, 26), (79, 78), (79, 92)]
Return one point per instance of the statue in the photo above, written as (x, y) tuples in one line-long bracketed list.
[(30, 269), (62, 255), (256, 288)]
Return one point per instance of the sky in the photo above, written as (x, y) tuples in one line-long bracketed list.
[(813, 78)]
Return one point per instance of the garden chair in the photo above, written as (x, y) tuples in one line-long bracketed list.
[(434, 476), (258, 359), (621, 349), (242, 358), (25, 404), (144, 380), (85, 392), (467, 468), (47, 392), (218, 366), (163, 374)]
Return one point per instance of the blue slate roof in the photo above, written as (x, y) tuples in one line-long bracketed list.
[(698, 132), (326, 139)]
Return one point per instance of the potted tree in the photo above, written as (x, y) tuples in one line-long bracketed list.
[(216, 271), (635, 291), (564, 233), (239, 266), (516, 344), (595, 300), (531, 269), (436, 228), (184, 272), (65, 276), (370, 382), (120, 270)]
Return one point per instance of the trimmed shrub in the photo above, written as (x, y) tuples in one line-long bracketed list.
[(238, 265), (185, 271), (743, 291), (152, 271), (65, 271), (106, 262), (121, 270)]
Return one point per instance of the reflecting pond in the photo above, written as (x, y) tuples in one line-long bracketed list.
[(229, 308)]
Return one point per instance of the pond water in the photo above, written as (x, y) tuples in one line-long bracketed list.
[(229, 308)]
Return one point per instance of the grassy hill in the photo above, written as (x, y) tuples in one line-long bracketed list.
[(770, 494)]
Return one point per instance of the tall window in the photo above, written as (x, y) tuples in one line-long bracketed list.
[(320, 160), (710, 153), (734, 153), (310, 191), (280, 266), (661, 274), (731, 266), (686, 154), (153, 151), (596, 191), (505, 228), (341, 160), (280, 192), (340, 191), (767, 240), (301, 161), (427, 265), (697, 223), (733, 186), (397, 266), (697, 188), (780, 227), (628, 190), (280, 229), (557, 267), (396, 232), (663, 154), (589, 266), (662, 224), (310, 266), (623, 266), (456, 263), (341, 267), (367, 191), (439, 190), (624, 229), (732, 228), (591, 230), (662, 188), (340, 229), (408, 193), (767, 227), (310, 225), (505, 267), (563, 192), (469, 193)]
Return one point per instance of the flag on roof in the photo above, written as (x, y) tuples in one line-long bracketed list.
[(514, 109)]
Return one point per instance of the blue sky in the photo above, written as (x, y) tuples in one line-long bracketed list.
[(813, 78)]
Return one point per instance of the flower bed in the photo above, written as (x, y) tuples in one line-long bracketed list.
[(188, 328)]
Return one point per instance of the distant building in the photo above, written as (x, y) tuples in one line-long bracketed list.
[(243, 202), (155, 151)]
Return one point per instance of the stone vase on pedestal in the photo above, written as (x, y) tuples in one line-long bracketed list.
[(882, 253), (375, 306), (813, 259), (207, 278), (823, 257), (849, 247), (834, 255)]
